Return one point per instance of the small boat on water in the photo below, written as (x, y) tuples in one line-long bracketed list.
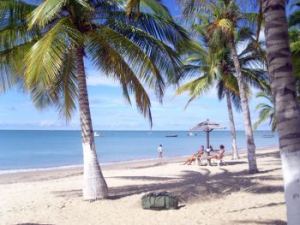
[(191, 134), (96, 134), (172, 135)]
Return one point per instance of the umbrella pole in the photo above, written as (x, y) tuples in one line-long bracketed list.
[(207, 139)]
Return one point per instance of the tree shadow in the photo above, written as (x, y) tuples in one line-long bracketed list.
[(275, 155), (191, 185), (231, 163), (33, 224), (149, 166), (258, 207), (195, 185), (267, 222), (144, 178)]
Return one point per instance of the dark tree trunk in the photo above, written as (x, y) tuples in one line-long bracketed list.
[(286, 103)]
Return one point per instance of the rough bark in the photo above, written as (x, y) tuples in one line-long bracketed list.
[(287, 107), (246, 112), (235, 154), (94, 185)]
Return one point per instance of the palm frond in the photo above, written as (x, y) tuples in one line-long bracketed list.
[(195, 87), (49, 51), (62, 93), (113, 64), (50, 9), (167, 59), (15, 40)]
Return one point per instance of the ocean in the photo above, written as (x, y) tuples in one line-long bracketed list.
[(22, 149)]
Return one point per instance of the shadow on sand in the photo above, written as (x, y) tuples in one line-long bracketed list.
[(268, 222), (33, 224), (193, 185)]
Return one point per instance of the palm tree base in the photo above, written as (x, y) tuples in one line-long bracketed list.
[(253, 171), (94, 184)]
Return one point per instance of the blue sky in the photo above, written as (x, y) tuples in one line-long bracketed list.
[(111, 112)]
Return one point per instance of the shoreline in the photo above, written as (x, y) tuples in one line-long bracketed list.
[(44, 174), (116, 163)]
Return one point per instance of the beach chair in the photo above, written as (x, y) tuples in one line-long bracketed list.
[(218, 157), (195, 158)]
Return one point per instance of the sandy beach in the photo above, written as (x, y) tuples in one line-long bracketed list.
[(209, 195)]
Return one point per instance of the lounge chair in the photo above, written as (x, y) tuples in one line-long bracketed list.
[(219, 157), (194, 158)]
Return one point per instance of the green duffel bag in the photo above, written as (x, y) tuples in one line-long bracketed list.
[(160, 200)]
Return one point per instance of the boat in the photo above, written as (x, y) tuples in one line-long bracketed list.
[(172, 135), (96, 134), (191, 134)]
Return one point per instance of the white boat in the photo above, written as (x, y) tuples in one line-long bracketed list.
[(96, 134), (191, 134)]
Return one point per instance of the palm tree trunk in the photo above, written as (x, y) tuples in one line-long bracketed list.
[(246, 112), (94, 185), (235, 154), (286, 105)]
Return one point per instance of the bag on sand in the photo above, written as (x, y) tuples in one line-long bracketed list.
[(160, 200)]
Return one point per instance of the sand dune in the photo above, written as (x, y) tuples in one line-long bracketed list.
[(209, 195)]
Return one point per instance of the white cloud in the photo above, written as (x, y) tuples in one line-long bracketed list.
[(97, 77)]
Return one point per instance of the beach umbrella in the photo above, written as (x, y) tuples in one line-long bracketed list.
[(207, 126)]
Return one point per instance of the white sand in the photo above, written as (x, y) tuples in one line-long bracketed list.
[(209, 195)]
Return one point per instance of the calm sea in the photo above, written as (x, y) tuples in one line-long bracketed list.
[(41, 149)]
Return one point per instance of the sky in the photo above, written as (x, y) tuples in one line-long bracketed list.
[(111, 112)]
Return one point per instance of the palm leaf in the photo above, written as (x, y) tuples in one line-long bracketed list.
[(49, 51), (113, 64)]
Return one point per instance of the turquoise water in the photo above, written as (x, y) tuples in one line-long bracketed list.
[(41, 149)]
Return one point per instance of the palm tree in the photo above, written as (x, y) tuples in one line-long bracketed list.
[(287, 108), (224, 21), (266, 110), (129, 50), (216, 69), (207, 63)]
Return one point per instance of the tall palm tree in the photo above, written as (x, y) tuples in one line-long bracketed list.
[(266, 110), (135, 52), (224, 21), (214, 67), (287, 108)]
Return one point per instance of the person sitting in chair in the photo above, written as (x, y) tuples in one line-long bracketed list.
[(219, 156), (195, 156)]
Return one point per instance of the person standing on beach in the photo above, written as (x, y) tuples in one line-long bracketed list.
[(160, 151)]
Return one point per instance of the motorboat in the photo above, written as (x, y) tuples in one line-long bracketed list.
[(172, 135)]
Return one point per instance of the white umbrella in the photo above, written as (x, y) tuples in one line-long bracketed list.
[(207, 126)]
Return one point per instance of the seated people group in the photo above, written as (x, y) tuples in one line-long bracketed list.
[(199, 156)]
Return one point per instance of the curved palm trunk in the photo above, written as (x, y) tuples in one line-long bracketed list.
[(235, 154), (246, 112), (286, 104), (94, 185)]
